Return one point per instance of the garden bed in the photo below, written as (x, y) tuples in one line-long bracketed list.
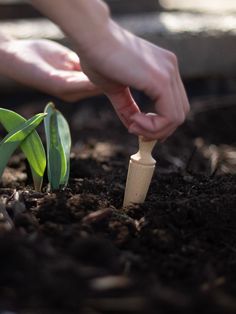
[(77, 251)]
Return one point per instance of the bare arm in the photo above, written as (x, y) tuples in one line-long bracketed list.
[(114, 59), (84, 21), (46, 66)]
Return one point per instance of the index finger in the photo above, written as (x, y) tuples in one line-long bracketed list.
[(124, 105)]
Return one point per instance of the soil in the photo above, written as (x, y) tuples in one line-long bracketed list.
[(78, 251)]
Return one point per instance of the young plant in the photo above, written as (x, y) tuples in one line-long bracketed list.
[(21, 133), (58, 140)]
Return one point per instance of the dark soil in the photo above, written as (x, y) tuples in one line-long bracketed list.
[(78, 251)]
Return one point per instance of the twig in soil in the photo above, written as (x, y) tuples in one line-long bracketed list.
[(98, 215)]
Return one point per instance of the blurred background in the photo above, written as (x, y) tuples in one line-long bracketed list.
[(201, 33)]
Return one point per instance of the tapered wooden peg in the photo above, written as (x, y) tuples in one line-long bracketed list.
[(140, 172)]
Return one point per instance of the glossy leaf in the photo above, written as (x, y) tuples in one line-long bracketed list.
[(32, 146), (15, 137), (58, 147)]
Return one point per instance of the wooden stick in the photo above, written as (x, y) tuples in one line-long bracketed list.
[(141, 168)]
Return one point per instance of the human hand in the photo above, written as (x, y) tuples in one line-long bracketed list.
[(47, 66), (121, 60)]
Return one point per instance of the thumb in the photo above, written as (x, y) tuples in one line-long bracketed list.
[(74, 61), (124, 105)]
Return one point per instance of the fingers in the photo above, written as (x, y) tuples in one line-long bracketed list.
[(171, 106), (171, 102), (72, 86), (124, 105), (151, 127), (161, 82)]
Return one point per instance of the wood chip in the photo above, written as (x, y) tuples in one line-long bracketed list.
[(97, 215)]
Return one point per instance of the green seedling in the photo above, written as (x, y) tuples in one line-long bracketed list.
[(32, 146), (58, 147), (16, 137), (22, 133)]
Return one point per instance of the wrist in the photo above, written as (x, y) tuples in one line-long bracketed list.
[(88, 28), (82, 20)]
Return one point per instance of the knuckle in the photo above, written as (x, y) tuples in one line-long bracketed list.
[(165, 79), (172, 59)]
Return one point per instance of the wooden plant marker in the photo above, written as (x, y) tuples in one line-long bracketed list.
[(141, 168)]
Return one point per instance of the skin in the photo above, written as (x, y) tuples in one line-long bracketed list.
[(47, 66), (113, 60), (145, 67)]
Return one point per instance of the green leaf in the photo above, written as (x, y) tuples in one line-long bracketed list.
[(32, 146), (58, 147), (64, 132), (15, 137), (55, 167)]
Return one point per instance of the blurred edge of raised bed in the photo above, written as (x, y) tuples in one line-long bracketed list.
[(199, 40)]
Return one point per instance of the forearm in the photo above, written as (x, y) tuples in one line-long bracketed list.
[(84, 21)]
